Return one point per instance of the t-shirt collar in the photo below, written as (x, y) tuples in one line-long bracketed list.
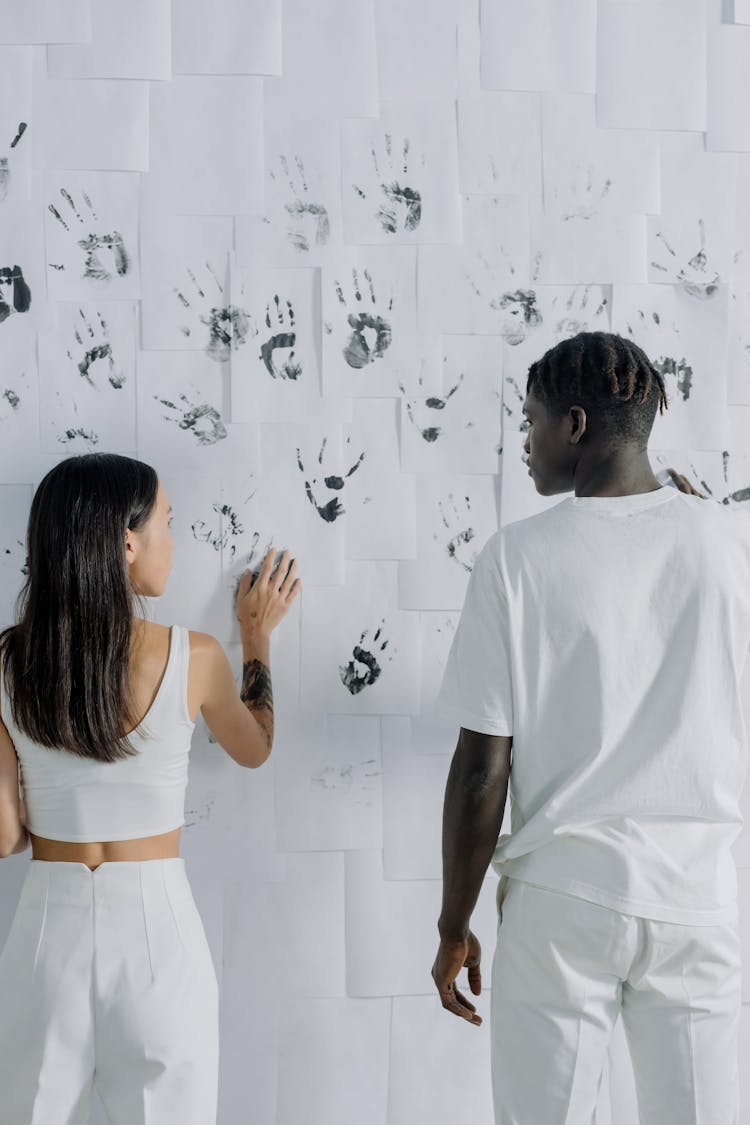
[(630, 502)]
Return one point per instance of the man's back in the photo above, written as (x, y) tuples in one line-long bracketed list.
[(608, 636)]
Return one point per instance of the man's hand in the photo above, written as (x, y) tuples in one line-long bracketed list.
[(452, 956), (684, 484)]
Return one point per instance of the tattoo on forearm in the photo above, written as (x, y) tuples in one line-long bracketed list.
[(256, 686)]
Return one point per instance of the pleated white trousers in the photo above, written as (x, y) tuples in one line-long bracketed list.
[(563, 970), (107, 980)]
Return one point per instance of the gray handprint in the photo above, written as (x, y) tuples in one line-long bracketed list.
[(228, 325), (458, 525), (104, 252), (308, 218), (371, 333), (92, 351), (694, 279), (402, 208), (203, 420), (4, 164), (283, 339)]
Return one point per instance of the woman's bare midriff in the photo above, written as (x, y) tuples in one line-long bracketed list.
[(146, 674)]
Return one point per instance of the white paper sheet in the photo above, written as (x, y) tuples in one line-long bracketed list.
[(539, 45), (182, 418), (467, 288), (738, 345), (229, 37), (87, 379), (741, 11), (391, 937), (452, 425), (404, 71), (328, 792), (639, 39), (333, 1062), (400, 175), (454, 1080), (15, 503), (46, 21), (129, 39), (15, 139), (693, 241), (302, 224), (382, 515), (330, 65), (91, 224), (186, 300), (20, 455), (369, 321), (276, 376), (455, 517), (728, 129), (500, 144), (437, 630), (94, 124), (590, 171), (599, 249), (411, 844), (360, 654), (206, 152), (686, 339)]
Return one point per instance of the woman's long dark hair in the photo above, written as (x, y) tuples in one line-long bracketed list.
[(66, 660)]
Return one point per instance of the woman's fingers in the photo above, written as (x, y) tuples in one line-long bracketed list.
[(288, 579)]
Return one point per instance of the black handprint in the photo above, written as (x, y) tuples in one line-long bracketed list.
[(12, 276), (333, 508), (358, 352), (363, 669), (403, 202), (451, 519), (289, 369), (227, 325), (5, 167), (93, 352), (300, 207), (93, 244), (696, 286), (432, 402)]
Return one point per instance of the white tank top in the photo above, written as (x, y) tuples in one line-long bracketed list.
[(81, 800)]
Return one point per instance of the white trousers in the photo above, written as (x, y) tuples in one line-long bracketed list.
[(106, 980), (563, 970)]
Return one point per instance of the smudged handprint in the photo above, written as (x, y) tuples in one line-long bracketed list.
[(576, 316), (12, 280), (4, 164), (681, 369), (364, 668), (203, 420), (519, 312), (96, 347), (458, 525), (342, 779), (402, 209), (430, 433), (308, 219), (694, 280), (104, 252), (371, 333), (332, 509), (228, 325), (283, 340), (591, 194)]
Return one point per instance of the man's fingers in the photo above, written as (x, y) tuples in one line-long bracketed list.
[(463, 1001), (475, 979)]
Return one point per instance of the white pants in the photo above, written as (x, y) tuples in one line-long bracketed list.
[(107, 980), (563, 970)]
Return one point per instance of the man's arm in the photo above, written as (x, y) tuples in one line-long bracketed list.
[(473, 809)]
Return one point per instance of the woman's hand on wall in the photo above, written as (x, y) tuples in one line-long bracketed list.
[(263, 599)]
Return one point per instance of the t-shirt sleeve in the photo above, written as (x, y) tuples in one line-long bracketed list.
[(477, 688)]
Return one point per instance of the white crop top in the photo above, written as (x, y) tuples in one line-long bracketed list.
[(81, 800)]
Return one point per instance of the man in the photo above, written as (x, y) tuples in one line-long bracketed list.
[(604, 640)]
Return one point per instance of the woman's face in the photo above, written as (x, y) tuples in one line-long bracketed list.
[(149, 551)]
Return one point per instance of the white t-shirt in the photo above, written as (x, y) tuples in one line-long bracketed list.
[(608, 635)]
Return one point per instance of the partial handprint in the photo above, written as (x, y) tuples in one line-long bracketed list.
[(519, 314), (590, 194), (104, 252), (364, 668), (283, 340), (96, 347), (332, 509), (308, 218), (5, 165), (12, 280), (694, 277), (228, 325), (202, 419), (371, 333), (430, 433), (460, 531), (402, 208)]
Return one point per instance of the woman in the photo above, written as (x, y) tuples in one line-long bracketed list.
[(106, 977)]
